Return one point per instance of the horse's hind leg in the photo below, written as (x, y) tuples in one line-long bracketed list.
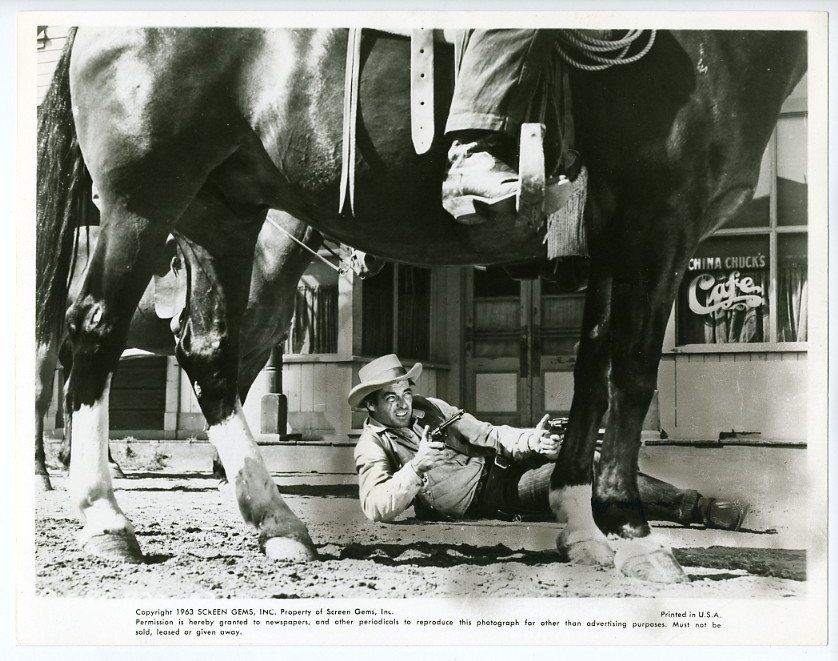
[(581, 541), (250, 364), (45, 361), (208, 350), (97, 324), (65, 358)]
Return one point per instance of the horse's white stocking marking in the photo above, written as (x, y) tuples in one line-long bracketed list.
[(240, 456), (581, 541), (573, 504), (284, 536), (90, 478)]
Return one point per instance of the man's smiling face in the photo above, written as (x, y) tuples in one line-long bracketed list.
[(392, 406)]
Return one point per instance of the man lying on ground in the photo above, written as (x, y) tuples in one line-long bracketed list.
[(479, 470)]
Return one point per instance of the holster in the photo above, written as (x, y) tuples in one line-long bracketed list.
[(489, 496)]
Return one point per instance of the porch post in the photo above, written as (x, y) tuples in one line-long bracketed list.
[(274, 404)]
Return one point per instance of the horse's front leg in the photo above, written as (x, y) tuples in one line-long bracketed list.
[(208, 350), (581, 541), (97, 325), (646, 276)]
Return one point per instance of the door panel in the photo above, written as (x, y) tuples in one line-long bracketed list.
[(496, 337), (520, 346), (558, 321)]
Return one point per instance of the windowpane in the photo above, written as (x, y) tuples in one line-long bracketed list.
[(314, 326), (377, 313), (791, 171), (414, 312), (792, 288), (756, 213), (724, 295)]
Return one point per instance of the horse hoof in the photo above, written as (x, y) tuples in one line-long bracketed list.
[(286, 549), (590, 551), (658, 566), (43, 483), (116, 472), (119, 546)]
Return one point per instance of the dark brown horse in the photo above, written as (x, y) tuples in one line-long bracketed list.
[(200, 131), (283, 251)]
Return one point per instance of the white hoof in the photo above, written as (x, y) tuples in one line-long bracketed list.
[(585, 547), (285, 549), (649, 559), (120, 546)]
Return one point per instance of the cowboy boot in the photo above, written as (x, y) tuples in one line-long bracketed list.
[(725, 515), (478, 177)]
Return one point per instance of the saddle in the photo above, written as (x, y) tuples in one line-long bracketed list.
[(560, 199)]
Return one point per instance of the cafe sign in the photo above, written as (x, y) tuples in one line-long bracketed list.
[(727, 289), (728, 263)]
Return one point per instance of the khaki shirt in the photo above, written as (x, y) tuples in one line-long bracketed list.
[(388, 484)]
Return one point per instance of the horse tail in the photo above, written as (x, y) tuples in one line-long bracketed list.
[(64, 200)]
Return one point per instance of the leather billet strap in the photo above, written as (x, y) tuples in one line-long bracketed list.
[(350, 119), (422, 89), (422, 127), (531, 168)]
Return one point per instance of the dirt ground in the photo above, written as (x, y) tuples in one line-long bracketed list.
[(197, 546)]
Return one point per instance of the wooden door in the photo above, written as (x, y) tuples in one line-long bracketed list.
[(138, 394), (519, 348)]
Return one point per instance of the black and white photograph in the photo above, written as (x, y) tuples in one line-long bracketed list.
[(343, 314)]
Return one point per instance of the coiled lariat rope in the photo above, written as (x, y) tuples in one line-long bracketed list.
[(594, 49)]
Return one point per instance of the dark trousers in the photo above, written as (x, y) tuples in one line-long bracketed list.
[(497, 79), (527, 490)]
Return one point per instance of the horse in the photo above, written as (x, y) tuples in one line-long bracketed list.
[(284, 249), (285, 246), (201, 130)]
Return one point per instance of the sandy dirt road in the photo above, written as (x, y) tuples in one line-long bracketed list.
[(197, 546)]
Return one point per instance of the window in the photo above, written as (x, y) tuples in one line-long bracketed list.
[(314, 326), (748, 282), (724, 294), (396, 308)]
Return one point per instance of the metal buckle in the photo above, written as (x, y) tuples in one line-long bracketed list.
[(502, 462)]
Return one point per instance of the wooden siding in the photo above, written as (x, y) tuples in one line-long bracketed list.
[(704, 394), (48, 57)]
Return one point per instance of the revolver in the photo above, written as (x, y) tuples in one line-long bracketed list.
[(557, 426), (438, 434)]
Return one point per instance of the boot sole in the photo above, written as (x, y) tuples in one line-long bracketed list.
[(473, 209)]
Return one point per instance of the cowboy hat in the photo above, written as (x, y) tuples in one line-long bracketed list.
[(379, 373)]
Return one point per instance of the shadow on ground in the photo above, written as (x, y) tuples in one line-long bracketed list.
[(778, 563), (426, 554)]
